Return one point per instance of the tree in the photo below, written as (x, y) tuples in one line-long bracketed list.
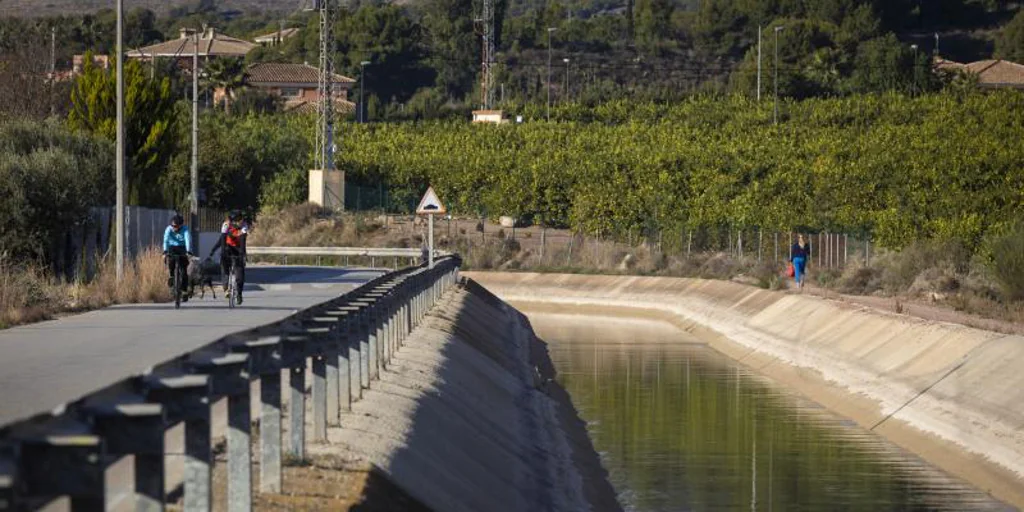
[(653, 23), (1010, 42), (149, 122), (226, 74), (454, 47)]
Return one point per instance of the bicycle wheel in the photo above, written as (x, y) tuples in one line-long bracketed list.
[(177, 285), (232, 287)]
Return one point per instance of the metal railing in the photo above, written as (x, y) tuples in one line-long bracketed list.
[(348, 341), (342, 255)]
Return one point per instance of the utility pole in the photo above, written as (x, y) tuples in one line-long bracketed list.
[(759, 63), (194, 207), (325, 106), (487, 66), (567, 95), (776, 117), (53, 65), (362, 86), (119, 214), (550, 30)]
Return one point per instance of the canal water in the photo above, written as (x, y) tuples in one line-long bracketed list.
[(679, 426)]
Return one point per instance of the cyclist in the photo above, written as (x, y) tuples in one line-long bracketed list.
[(232, 244), (177, 249)]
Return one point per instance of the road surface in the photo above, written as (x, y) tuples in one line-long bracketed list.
[(45, 365)]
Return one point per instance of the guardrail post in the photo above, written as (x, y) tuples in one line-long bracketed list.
[(7, 479), (356, 352), (131, 426), (230, 375), (266, 357), (297, 411), (66, 461), (319, 398), (373, 342), (344, 366), (186, 398), (364, 348)]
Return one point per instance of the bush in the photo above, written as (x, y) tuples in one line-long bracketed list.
[(1006, 262)]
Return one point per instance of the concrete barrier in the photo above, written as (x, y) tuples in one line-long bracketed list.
[(66, 453), (953, 394)]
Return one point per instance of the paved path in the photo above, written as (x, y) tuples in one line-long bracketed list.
[(48, 364)]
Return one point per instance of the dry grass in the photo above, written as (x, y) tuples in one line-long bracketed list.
[(308, 225), (29, 293)]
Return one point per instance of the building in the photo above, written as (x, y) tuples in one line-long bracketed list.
[(489, 116), (991, 74), (298, 85), (276, 38), (211, 45)]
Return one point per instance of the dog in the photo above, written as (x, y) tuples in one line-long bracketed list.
[(200, 273)]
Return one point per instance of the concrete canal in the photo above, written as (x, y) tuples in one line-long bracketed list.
[(681, 427), (702, 395)]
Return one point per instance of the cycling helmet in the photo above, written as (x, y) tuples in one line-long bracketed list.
[(177, 220), (235, 216)]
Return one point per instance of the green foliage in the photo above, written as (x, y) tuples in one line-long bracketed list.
[(48, 180), (1007, 260), (1010, 43), (150, 121), (239, 155), (896, 167), (284, 189)]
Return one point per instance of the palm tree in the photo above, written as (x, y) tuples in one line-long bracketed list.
[(226, 74)]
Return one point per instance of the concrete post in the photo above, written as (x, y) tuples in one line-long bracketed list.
[(297, 412), (270, 433), (197, 464), (373, 342), (239, 453), (149, 482), (319, 399), (333, 386), (355, 356), (364, 349), (344, 368)]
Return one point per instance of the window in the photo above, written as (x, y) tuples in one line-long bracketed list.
[(291, 92)]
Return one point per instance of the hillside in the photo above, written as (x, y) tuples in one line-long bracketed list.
[(26, 8)]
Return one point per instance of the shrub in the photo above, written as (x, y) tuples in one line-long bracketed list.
[(1006, 261)]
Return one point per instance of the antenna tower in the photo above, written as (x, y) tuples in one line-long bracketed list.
[(487, 64), (325, 105)]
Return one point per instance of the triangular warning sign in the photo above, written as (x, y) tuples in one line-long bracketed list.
[(430, 204)]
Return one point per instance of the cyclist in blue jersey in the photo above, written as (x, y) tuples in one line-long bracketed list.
[(177, 249)]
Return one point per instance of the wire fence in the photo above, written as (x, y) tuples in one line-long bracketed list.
[(560, 247)]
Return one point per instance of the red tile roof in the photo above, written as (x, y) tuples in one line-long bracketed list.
[(277, 73)]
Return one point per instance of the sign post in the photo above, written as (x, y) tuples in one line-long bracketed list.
[(429, 206)]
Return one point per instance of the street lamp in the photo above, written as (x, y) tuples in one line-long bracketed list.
[(913, 84), (550, 30), (362, 86), (776, 116), (566, 61)]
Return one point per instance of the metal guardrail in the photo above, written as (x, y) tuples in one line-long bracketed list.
[(348, 341), (380, 252)]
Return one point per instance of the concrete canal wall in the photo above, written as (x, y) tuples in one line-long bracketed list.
[(952, 394), (464, 418)]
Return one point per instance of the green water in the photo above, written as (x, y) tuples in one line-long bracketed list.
[(681, 427)]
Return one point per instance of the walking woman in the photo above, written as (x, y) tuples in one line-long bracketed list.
[(799, 256)]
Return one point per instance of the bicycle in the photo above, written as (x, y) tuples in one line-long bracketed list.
[(233, 290), (179, 279)]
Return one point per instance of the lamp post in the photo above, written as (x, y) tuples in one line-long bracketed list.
[(362, 86), (119, 241), (566, 61), (776, 115), (550, 30), (913, 83)]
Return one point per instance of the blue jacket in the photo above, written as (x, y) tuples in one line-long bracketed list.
[(177, 238)]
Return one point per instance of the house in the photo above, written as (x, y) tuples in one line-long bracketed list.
[(211, 44), (276, 38), (991, 74), (298, 85)]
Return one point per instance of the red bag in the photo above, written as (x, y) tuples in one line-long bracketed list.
[(790, 271)]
